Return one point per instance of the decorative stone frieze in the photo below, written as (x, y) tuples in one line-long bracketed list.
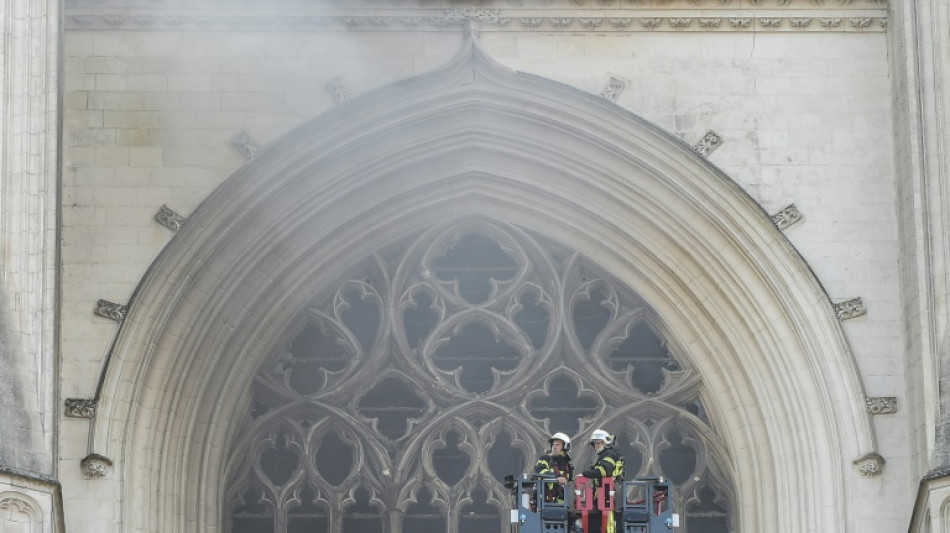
[(531, 22), (852, 308), (81, 407), (483, 16), (708, 143), (614, 87), (169, 218), (338, 89), (881, 405), (621, 23), (869, 465), (680, 23), (786, 217), (521, 4), (428, 16), (590, 22), (246, 145), (110, 310), (95, 466)]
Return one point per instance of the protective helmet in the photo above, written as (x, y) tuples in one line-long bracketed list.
[(600, 434), (563, 438)]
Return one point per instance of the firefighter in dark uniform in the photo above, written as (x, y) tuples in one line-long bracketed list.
[(607, 464), (557, 462)]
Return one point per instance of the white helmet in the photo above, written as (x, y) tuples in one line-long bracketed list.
[(600, 434), (563, 438)]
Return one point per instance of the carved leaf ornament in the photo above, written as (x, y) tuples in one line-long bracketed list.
[(405, 393)]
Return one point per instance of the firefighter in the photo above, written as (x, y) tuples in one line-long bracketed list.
[(556, 461), (607, 464)]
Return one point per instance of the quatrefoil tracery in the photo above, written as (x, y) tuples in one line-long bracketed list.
[(418, 383)]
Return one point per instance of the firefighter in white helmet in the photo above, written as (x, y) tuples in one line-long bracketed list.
[(556, 461), (607, 464)]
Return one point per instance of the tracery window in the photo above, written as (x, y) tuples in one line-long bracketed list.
[(408, 391)]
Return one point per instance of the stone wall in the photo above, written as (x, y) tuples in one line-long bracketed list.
[(162, 116)]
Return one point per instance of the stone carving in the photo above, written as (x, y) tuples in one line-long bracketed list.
[(13, 505), (710, 23), (81, 407), (111, 310), (540, 322), (339, 89), (852, 308), (881, 405), (95, 466), (590, 23), (488, 16), (786, 217), (357, 20), (245, 145), (531, 22), (170, 219), (870, 465), (680, 23), (614, 87), (620, 23), (708, 143)]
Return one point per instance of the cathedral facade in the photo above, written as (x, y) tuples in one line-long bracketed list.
[(328, 266)]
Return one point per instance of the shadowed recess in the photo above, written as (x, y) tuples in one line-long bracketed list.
[(474, 261), (645, 353), (476, 352), (392, 403)]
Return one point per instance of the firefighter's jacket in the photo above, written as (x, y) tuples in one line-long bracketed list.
[(558, 465), (609, 463)]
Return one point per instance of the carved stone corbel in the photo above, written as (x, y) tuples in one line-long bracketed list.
[(708, 143), (614, 87), (246, 145), (110, 310), (869, 465), (81, 407), (95, 466), (169, 218), (881, 405), (849, 309), (338, 89), (786, 217)]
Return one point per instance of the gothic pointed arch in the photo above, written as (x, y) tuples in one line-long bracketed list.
[(563, 186)]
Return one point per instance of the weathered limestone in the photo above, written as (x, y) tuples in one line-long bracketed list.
[(28, 207)]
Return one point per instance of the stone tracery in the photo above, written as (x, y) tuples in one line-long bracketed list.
[(407, 394)]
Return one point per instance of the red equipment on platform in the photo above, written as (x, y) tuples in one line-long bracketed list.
[(584, 501)]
